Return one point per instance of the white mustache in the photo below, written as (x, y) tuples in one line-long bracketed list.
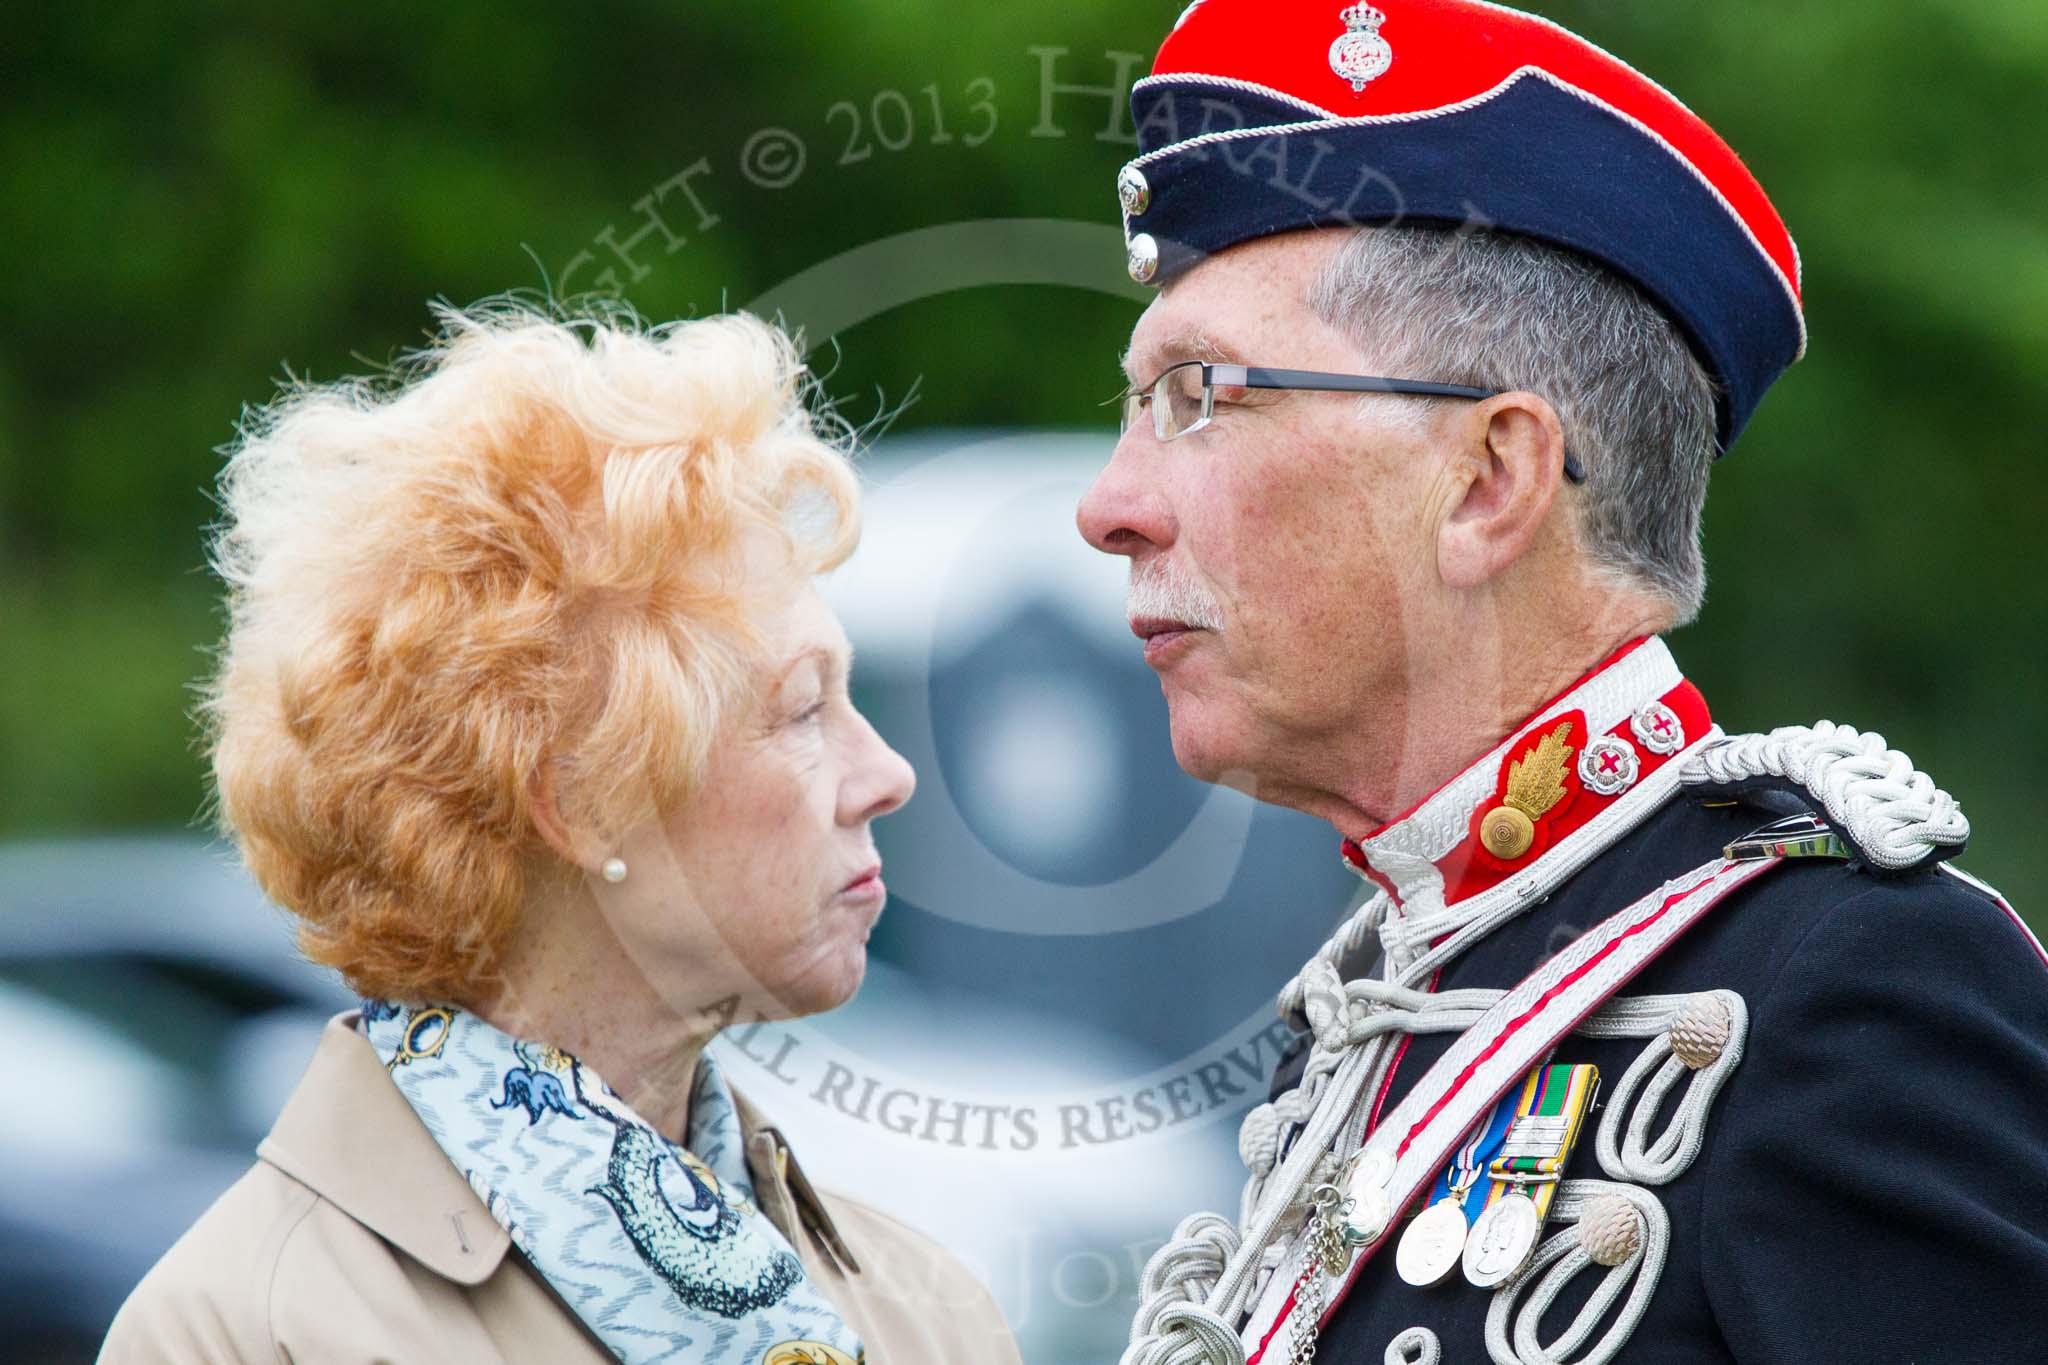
[(1162, 590)]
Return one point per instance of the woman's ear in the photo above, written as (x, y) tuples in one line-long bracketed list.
[(1511, 465), (572, 846)]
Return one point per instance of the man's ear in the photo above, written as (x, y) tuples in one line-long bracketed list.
[(572, 846), (1510, 466)]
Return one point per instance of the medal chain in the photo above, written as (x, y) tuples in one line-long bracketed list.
[(1325, 1253)]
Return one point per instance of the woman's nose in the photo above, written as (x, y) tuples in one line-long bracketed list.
[(882, 781)]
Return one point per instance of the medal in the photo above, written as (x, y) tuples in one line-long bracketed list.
[(1502, 1239), (1430, 1248), (1366, 1212), (1548, 1113)]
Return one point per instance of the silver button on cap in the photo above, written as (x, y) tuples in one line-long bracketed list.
[(1132, 191), (1141, 257)]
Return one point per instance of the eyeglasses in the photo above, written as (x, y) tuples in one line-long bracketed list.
[(1183, 396)]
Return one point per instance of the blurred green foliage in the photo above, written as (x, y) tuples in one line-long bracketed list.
[(198, 197)]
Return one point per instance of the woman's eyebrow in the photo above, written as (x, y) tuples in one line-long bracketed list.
[(834, 663)]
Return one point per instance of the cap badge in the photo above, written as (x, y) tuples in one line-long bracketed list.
[(1536, 782), (1360, 55)]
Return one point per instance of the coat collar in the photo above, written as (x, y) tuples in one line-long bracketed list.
[(348, 1135), (1595, 758)]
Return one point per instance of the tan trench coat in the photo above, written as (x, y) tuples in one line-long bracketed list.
[(352, 1239)]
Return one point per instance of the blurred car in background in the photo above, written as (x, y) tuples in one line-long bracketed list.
[(159, 1015), (1078, 936)]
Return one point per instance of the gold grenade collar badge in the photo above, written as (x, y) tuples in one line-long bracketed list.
[(1536, 783)]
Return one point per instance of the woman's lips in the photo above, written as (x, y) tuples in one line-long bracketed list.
[(867, 886)]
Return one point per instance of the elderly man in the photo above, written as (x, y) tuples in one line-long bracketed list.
[(1456, 312)]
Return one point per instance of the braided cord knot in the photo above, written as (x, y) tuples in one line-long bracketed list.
[(1894, 813), (1174, 1326)]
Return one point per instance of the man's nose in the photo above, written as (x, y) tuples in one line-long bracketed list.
[(1125, 509)]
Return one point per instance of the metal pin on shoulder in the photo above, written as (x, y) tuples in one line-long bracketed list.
[(1796, 836)]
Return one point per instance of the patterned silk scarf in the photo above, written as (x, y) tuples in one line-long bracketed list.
[(661, 1249)]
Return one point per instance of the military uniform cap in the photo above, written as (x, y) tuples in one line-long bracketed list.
[(1263, 116)]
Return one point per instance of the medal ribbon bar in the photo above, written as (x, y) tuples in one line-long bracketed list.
[(1549, 1113)]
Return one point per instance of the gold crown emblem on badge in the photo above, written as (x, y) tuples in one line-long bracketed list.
[(1535, 784)]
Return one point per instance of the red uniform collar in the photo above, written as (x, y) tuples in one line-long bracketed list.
[(1599, 755)]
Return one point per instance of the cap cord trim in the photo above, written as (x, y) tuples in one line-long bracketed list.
[(1332, 121)]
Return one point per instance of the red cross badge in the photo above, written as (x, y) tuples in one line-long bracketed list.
[(1608, 766), (1657, 729)]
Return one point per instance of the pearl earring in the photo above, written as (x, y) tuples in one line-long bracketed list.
[(615, 869)]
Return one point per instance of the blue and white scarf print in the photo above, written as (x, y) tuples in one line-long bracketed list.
[(661, 1249)]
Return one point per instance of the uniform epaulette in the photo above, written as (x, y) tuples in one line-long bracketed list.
[(1889, 816)]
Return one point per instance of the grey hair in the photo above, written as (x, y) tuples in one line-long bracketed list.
[(1507, 312)]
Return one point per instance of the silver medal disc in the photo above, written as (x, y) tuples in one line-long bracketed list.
[(1366, 1217), (1502, 1239), (1370, 1207), (1431, 1246)]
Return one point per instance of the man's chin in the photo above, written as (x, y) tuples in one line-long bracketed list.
[(1210, 757)]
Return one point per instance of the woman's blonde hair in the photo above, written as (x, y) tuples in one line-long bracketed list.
[(524, 546)]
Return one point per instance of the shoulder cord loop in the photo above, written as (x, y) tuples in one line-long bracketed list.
[(1635, 1155), (1562, 1257), (1352, 935), (1890, 810), (1416, 1346)]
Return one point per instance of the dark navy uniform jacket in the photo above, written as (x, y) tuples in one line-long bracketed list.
[(1874, 1182)]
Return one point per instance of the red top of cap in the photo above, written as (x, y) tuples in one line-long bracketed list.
[(1444, 53)]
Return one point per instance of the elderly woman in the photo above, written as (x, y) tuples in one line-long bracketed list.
[(530, 711)]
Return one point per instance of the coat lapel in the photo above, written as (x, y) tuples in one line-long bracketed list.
[(348, 1135)]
